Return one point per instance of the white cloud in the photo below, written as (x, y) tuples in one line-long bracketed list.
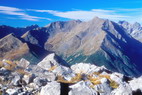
[(20, 13), (115, 14), (112, 14), (87, 15), (5, 8), (130, 10), (38, 10), (101, 10)]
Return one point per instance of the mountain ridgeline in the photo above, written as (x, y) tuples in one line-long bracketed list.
[(117, 46)]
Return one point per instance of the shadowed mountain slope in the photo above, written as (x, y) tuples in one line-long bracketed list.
[(99, 42)]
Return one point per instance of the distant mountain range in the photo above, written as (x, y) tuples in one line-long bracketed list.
[(117, 46)]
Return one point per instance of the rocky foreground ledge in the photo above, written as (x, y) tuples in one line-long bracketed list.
[(51, 78)]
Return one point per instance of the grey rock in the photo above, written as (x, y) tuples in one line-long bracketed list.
[(25, 93), (40, 72), (28, 78), (33, 86), (48, 62), (123, 89), (11, 91), (16, 80), (40, 81), (52, 88), (103, 89), (35, 69), (4, 72), (136, 84), (50, 76), (23, 63), (81, 88), (65, 72)]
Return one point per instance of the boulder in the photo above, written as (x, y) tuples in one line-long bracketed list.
[(82, 88), (136, 84), (86, 68), (36, 70), (117, 77), (23, 63), (50, 76), (28, 78), (65, 72), (33, 85), (16, 80), (40, 81), (4, 72), (123, 89), (104, 88), (11, 91), (48, 62), (104, 80), (52, 88), (40, 72)]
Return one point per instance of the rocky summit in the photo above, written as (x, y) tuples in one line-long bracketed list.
[(49, 77)]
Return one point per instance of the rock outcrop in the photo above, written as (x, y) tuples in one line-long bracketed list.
[(77, 80)]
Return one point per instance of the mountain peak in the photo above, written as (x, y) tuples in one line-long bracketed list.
[(136, 25), (123, 22), (62, 23), (11, 35), (97, 19), (32, 27)]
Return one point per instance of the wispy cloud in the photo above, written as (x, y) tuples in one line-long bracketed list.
[(115, 14), (85, 15), (5, 8), (20, 13), (112, 14)]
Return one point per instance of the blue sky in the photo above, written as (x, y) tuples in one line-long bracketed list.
[(20, 13)]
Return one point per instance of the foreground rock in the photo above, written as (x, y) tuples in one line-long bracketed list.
[(136, 84), (23, 63), (51, 78), (52, 88), (123, 89), (48, 62), (82, 88)]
